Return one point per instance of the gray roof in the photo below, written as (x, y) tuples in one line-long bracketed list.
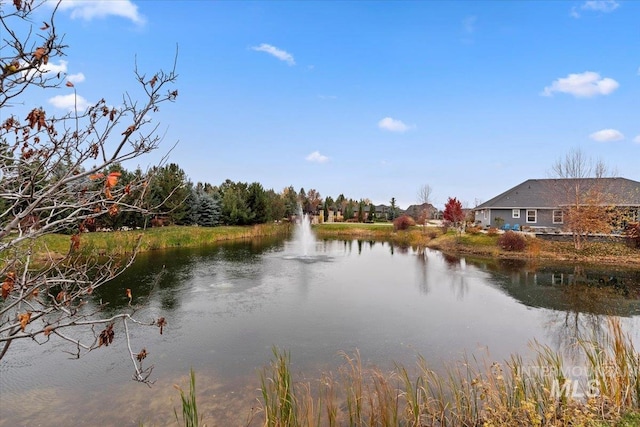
[(548, 193)]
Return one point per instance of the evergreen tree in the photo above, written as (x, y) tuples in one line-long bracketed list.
[(393, 209), (257, 204), (372, 213), (290, 202), (208, 210)]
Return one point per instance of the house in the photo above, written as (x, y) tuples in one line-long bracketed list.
[(543, 203), (417, 212)]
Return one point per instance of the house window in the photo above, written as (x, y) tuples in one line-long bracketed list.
[(515, 213), (558, 217), (532, 216), (486, 213)]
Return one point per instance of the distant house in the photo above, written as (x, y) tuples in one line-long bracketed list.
[(416, 211), (542, 203), (384, 211)]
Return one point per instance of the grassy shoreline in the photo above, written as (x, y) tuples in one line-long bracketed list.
[(481, 245)]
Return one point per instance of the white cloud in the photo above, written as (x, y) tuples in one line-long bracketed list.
[(69, 102), (52, 68), (316, 157), (604, 6), (469, 24), (76, 78), (607, 135), (392, 125), (600, 5), (88, 10), (637, 139), (582, 85), (274, 51)]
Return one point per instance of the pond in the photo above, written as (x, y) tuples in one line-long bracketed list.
[(227, 305)]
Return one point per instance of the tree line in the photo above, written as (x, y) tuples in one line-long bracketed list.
[(169, 197)]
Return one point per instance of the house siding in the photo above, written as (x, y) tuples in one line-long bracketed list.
[(544, 218)]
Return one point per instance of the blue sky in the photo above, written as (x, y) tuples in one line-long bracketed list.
[(373, 99)]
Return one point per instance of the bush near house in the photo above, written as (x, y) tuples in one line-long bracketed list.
[(632, 233), (403, 222), (511, 241)]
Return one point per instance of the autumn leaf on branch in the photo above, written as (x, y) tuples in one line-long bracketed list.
[(39, 53), (68, 84), (141, 356), (7, 285), (153, 81), (24, 319), (112, 179), (113, 209), (128, 131), (45, 26), (75, 242), (110, 182), (161, 323), (106, 336)]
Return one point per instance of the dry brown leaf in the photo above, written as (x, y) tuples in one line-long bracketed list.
[(128, 131), (161, 323), (39, 53), (75, 242), (106, 336), (24, 319), (7, 285), (140, 356), (68, 84), (112, 179), (45, 26)]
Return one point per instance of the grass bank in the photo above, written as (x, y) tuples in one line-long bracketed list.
[(484, 245), (479, 244), (123, 242)]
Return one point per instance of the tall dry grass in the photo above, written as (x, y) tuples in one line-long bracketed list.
[(539, 391)]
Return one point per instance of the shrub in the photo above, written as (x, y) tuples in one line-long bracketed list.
[(632, 233), (511, 241), (492, 231), (473, 230), (403, 222)]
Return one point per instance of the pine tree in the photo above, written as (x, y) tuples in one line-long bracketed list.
[(208, 212)]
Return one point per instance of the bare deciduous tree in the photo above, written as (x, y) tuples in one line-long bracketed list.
[(581, 193), (424, 197), (54, 178)]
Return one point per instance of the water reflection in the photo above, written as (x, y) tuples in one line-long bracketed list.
[(227, 305), (578, 288)]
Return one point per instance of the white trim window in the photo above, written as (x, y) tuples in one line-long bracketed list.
[(558, 216), (486, 213), (515, 213), (532, 216)]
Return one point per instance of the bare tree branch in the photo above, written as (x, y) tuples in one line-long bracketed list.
[(57, 175)]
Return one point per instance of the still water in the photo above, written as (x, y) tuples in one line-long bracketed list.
[(227, 306)]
